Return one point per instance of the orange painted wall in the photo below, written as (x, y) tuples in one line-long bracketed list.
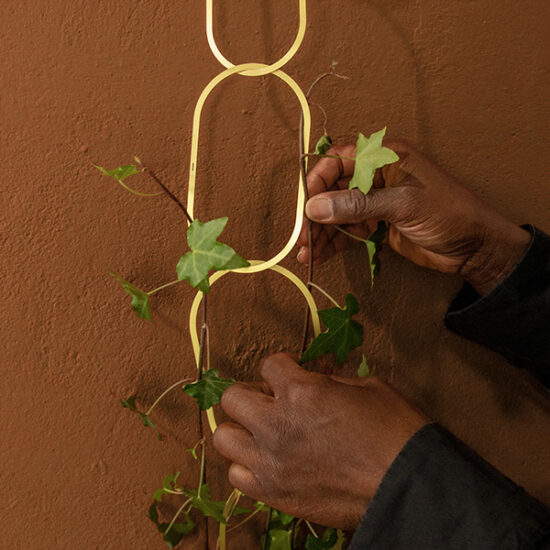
[(84, 82)]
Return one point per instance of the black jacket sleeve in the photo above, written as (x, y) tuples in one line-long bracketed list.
[(514, 319), (439, 494)]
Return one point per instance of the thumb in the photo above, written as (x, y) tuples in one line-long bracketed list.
[(353, 206)]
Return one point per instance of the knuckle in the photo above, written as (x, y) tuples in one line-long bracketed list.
[(305, 390), (354, 203), (273, 363), (343, 150)]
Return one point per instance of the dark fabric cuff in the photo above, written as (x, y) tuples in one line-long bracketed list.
[(514, 318), (439, 494)]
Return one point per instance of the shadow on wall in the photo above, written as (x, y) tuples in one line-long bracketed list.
[(407, 39)]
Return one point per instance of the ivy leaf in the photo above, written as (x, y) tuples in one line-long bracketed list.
[(374, 243), (279, 539), (279, 531), (342, 335), (209, 389), (119, 173), (209, 507), (327, 542), (177, 531), (140, 298), (323, 145), (370, 154), (123, 172), (169, 486), (364, 370), (130, 403), (206, 254), (193, 452)]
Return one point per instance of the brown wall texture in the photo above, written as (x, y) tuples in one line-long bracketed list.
[(83, 82)]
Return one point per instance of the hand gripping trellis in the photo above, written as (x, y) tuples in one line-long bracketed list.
[(252, 69)]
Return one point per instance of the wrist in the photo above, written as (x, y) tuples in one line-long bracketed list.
[(497, 256)]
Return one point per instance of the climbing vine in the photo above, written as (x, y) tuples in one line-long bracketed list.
[(206, 260)]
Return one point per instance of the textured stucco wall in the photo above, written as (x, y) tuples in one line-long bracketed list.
[(83, 82)]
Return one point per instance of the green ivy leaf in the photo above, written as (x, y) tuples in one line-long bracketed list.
[(370, 154), (374, 243), (119, 173), (209, 389), (140, 298), (279, 539), (327, 542), (169, 486), (177, 531), (323, 145), (123, 172), (280, 518), (193, 452), (206, 254), (130, 403), (364, 371), (342, 335), (279, 531), (209, 507)]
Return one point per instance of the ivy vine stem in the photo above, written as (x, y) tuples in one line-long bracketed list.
[(303, 157), (203, 343), (203, 467), (165, 189), (325, 294), (245, 520), (351, 235), (310, 527), (342, 157), (157, 401), (265, 545), (180, 510), (155, 290)]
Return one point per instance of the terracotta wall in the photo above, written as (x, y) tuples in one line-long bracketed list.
[(86, 82)]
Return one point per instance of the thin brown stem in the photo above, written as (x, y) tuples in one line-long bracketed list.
[(167, 191), (265, 545), (303, 156), (305, 333), (323, 155), (204, 331)]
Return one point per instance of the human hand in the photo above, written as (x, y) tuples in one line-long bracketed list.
[(434, 220), (311, 445)]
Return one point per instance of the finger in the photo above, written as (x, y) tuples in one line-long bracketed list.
[(247, 407), (353, 206), (280, 370), (243, 478), (236, 443), (330, 248), (322, 239), (412, 162), (316, 231), (328, 171), (259, 386), (358, 381)]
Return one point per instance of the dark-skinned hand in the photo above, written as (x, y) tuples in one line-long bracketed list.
[(433, 219), (311, 445)]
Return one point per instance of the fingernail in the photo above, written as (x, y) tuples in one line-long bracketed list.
[(319, 209), (301, 254)]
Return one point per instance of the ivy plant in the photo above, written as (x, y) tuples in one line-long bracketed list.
[(206, 254)]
